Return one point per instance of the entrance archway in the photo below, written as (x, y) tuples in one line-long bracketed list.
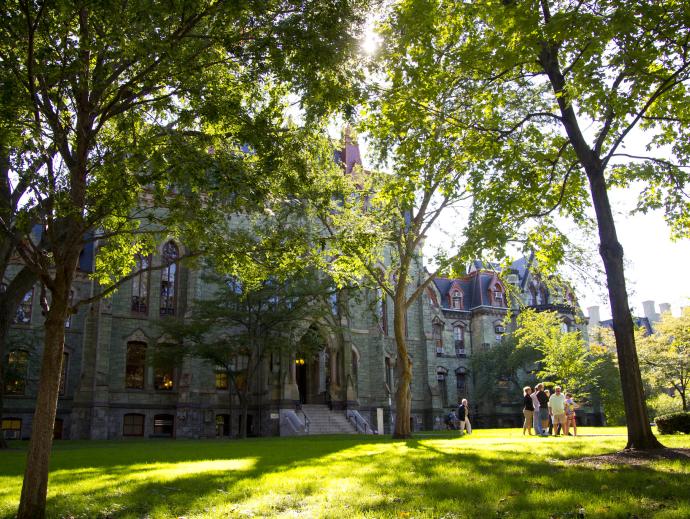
[(312, 368)]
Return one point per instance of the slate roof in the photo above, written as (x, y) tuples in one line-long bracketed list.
[(474, 287)]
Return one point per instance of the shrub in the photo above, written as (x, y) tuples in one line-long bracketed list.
[(674, 422)]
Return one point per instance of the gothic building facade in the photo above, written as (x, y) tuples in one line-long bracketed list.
[(110, 389)]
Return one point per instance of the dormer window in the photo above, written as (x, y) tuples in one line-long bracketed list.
[(497, 295), (456, 299)]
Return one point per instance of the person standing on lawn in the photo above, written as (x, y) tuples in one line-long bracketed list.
[(464, 416), (570, 407), (527, 410), (557, 404), (535, 402), (543, 409)]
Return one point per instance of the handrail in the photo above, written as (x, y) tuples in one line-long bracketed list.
[(359, 422), (307, 422)]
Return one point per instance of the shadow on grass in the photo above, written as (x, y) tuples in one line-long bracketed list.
[(350, 476)]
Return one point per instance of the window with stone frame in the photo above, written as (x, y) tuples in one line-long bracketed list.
[(441, 376), (11, 428), (169, 279), (437, 334), (459, 339), (222, 425), (135, 365), (456, 299), (388, 365), (499, 296), (133, 424), (221, 378), (16, 372), (23, 315), (63, 374), (140, 285), (163, 377), (163, 425), (461, 382)]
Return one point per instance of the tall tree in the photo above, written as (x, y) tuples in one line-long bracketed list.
[(552, 91), (243, 324), (665, 354), (378, 224), (130, 95)]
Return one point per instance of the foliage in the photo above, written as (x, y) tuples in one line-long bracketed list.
[(355, 476), (131, 105), (665, 355), (673, 423), (606, 382), (564, 359), (503, 361), (549, 93), (663, 404)]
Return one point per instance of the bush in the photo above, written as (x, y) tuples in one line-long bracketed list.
[(674, 422)]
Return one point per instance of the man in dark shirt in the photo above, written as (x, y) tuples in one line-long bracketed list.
[(543, 408)]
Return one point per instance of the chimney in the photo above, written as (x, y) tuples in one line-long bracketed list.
[(593, 313), (664, 307), (649, 311)]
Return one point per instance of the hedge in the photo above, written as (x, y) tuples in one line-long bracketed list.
[(673, 423)]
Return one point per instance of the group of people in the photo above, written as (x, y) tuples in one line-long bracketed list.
[(548, 414), (460, 419)]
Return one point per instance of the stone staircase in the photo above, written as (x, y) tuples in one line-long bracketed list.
[(324, 421)]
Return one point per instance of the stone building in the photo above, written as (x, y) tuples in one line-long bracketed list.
[(111, 390)]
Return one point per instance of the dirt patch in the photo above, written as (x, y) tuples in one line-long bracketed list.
[(632, 457)]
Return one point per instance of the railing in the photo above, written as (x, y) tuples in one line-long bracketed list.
[(358, 421), (307, 422)]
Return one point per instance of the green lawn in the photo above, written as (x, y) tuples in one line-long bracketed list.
[(491, 474)]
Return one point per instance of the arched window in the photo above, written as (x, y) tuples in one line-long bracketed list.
[(23, 315), (461, 382), (135, 366), (140, 285), (133, 425), (459, 338), (16, 372), (498, 296), (169, 278), (355, 366), (456, 299), (441, 376), (382, 310)]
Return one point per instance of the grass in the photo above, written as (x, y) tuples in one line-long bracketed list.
[(490, 474)]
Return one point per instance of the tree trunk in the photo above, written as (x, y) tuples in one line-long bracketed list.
[(403, 395), (35, 486), (639, 431)]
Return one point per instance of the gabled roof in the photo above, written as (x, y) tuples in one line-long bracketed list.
[(475, 288)]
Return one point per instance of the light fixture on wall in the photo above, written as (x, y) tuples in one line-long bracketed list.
[(299, 362)]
